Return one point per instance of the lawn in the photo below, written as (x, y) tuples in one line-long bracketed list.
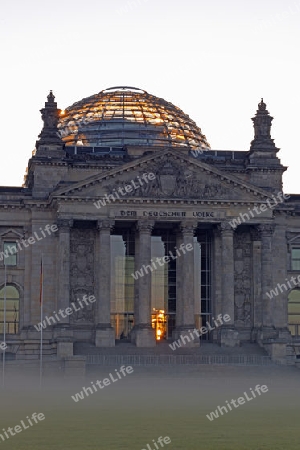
[(157, 402)]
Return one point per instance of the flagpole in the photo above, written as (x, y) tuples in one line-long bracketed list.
[(41, 307), (4, 331)]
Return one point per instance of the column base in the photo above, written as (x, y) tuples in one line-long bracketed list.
[(266, 333), (275, 342), (284, 333), (63, 333), (187, 337), (63, 336), (105, 336), (229, 337), (278, 352), (64, 349), (144, 336), (254, 334)]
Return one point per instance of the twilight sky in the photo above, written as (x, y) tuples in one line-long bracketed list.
[(214, 59)]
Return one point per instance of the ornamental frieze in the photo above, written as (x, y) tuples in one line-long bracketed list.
[(173, 181), (82, 272)]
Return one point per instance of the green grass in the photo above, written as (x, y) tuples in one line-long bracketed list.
[(96, 429), (139, 409)]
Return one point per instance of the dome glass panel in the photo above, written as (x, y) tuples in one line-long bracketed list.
[(122, 116)]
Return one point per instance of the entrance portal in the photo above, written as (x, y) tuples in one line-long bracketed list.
[(164, 282)]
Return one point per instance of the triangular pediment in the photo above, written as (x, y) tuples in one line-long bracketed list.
[(293, 239), (174, 176), (10, 233)]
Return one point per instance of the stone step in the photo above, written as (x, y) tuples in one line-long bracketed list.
[(163, 348)]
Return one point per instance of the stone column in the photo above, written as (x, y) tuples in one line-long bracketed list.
[(186, 292), (279, 269), (144, 334), (228, 334), (179, 290), (105, 333), (256, 270), (136, 286), (217, 273), (63, 302), (27, 284), (266, 232), (63, 334)]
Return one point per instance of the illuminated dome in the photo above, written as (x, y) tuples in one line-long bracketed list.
[(122, 116)]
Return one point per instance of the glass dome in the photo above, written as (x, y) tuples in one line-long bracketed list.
[(124, 115)]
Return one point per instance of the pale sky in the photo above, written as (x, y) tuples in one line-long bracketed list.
[(214, 59)]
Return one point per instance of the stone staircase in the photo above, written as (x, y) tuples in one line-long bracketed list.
[(162, 354)]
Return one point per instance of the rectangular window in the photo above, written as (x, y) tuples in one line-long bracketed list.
[(9, 296), (295, 259), (10, 253)]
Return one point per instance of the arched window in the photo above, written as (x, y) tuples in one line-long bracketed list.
[(294, 312), (12, 310)]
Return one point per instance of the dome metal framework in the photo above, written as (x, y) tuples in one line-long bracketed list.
[(123, 115)]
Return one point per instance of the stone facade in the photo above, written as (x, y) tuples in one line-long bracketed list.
[(191, 191)]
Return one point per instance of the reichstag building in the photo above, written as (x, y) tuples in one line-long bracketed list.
[(129, 228)]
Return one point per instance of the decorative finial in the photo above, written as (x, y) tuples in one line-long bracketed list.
[(51, 97), (262, 123), (262, 106), (50, 116)]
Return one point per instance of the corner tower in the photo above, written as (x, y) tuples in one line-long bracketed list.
[(264, 166)]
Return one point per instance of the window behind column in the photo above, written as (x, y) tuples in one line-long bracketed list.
[(295, 258), (10, 249), (12, 310), (163, 283), (294, 312), (122, 285), (202, 280)]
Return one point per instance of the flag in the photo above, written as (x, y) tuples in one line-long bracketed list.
[(41, 282), (41, 305)]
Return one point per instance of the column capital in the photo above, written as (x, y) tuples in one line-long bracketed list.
[(265, 229), (145, 226), (255, 234), (216, 231), (105, 224), (64, 224), (188, 228), (225, 228)]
